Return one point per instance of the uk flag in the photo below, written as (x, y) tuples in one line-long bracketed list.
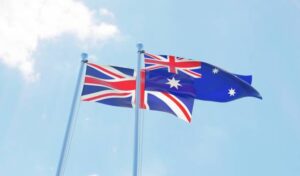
[(116, 86), (173, 64)]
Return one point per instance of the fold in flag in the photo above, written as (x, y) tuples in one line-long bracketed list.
[(168, 73), (116, 86)]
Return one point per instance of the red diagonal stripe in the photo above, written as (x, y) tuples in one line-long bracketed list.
[(151, 61), (186, 114), (105, 70), (193, 73), (153, 56)]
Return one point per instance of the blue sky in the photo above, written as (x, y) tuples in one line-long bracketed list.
[(40, 58)]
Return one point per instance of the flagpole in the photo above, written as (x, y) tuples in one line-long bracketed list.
[(70, 125), (137, 112)]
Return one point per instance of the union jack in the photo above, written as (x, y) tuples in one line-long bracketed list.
[(173, 64), (116, 86)]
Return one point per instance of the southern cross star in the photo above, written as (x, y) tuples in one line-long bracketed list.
[(173, 83), (215, 71), (231, 92)]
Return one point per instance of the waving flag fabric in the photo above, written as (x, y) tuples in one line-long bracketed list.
[(207, 82), (116, 86), (170, 82), (222, 86), (246, 78), (109, 85)]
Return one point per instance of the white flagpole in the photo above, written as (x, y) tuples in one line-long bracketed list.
[(70, 125), (137, 112)]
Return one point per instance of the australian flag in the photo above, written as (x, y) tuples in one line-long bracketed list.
[(116, 86), (169, 73)]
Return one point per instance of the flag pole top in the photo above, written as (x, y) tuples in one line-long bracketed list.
[(140, 48), (84, 57)]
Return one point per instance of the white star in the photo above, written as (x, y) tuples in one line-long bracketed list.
[(215, 71), (231, 92), (173, 83)]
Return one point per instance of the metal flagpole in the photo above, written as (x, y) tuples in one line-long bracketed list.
[(137, 112), (70, 125)]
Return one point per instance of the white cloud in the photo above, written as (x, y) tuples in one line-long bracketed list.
[(106, 12), (24, 24)]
